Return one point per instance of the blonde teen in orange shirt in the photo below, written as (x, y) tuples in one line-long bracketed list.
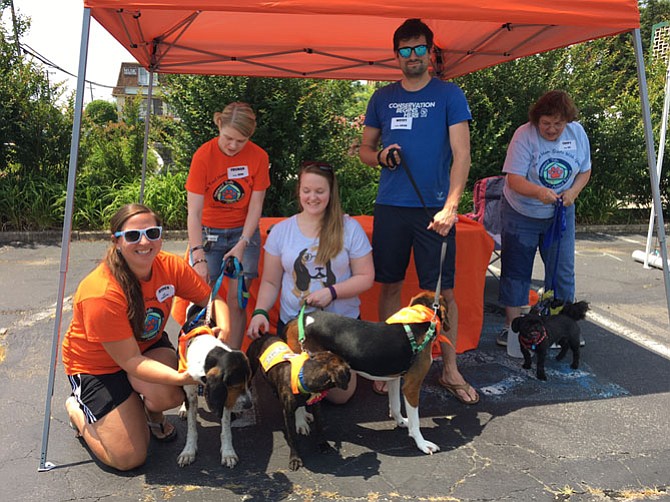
[(115, 349), (226, 188)]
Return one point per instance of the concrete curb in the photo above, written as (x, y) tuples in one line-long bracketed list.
[(54, 237)]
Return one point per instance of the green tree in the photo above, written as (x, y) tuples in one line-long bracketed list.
[(298, 119), (100, 112)]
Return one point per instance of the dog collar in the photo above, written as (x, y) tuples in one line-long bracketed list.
[(534, 339), (185, 339), (416, 314)]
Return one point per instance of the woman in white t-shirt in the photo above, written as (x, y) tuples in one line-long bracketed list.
[(548, 164), (319, 257)]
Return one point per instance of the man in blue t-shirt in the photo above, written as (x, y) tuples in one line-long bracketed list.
[(427, 120)]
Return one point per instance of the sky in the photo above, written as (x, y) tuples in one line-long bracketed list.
[(55, 33)]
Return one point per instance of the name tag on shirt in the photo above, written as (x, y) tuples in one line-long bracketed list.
[(164, 292), (238, 172), (567, 145), (401, 123)]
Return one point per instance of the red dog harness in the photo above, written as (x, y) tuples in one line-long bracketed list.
[(534, 338)]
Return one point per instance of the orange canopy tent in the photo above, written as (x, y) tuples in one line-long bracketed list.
[(343, 39), (347, 39)]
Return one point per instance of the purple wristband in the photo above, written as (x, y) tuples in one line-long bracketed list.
[(333, 293)]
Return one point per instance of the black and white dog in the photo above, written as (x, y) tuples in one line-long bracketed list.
[(538, 333), (225, 374), (381, 351)]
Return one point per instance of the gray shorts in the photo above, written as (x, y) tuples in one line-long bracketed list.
[(226, 238)]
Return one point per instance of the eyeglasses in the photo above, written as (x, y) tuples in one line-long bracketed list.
[(419, 50), (134, 236), (324, 166)]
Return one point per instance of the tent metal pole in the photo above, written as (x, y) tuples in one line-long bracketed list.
[(147, 116), (67, 232), (651, 156), (659, 160)]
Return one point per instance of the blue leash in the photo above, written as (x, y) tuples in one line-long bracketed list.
[(232, 268), (554, 233)]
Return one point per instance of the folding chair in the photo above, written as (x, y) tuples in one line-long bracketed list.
[(486, 197)]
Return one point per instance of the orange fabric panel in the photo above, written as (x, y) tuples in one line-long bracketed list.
[(473, 251), (347, 39)]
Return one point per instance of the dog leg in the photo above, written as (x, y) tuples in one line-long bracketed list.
[(228, 456), (541, 355), (187, 455), (564, 349), (414, 430), (302, 421), (574, 345), (526, 358), (290, 418), (394, 402), (183, 411)]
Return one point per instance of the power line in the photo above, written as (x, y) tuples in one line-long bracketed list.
[(32, 52)]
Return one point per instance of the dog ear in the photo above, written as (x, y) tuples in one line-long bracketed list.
[(216, 391), (515, 324)]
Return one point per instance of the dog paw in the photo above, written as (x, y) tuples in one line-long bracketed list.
[(295, 463), (427, 447), (229, 459), (183, 412), (302, 421), (526, 366), (186, 458), (542, 376), (574, 366)]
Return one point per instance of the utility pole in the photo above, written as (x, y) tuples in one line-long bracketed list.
[(16, 29)]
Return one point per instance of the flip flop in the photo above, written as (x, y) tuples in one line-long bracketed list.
[(380, 388), (454, 388), (163, 431)]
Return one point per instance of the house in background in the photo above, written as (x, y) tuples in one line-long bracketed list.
[(134, 80)]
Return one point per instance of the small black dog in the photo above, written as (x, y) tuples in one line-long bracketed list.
[(295, 389), (538, 333)]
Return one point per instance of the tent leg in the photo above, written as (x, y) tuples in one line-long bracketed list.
[(651, 156), (659, 160), (147, 118), (67, 231)]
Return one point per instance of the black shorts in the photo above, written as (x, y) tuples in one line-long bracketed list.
[(97, 395), (396, 232)]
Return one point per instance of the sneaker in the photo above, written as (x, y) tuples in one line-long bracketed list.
[(501, 339)]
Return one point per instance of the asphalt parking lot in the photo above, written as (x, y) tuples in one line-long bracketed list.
[(599, 433)]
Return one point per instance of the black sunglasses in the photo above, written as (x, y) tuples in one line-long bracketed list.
[(134, 236)]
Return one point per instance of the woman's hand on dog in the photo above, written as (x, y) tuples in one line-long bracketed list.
[(187, 379), (258, 325)]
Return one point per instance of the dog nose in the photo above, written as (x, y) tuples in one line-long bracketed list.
[(246, 401)]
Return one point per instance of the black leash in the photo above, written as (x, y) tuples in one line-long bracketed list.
[(392, 164)]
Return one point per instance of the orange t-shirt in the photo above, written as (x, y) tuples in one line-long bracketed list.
[(100, 312), (227, 182)]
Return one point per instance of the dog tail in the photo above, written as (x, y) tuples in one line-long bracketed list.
[(576, 311)]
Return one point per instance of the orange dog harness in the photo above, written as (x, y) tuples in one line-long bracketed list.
[(416, 314), (185, 339)]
